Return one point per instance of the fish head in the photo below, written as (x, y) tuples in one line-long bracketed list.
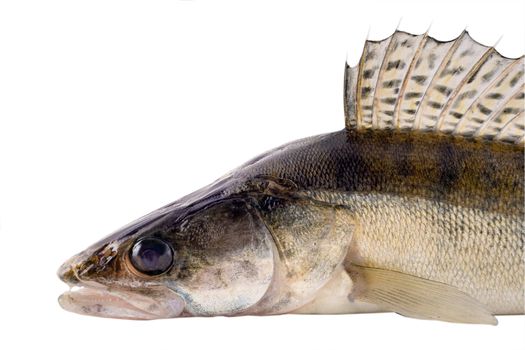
[(203, 255)]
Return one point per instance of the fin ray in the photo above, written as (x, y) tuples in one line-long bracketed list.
[(417, 297), (412, 82)]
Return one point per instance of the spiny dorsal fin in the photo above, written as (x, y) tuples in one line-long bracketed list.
[(415, 82)]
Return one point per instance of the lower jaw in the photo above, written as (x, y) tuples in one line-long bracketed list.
[(125, 304)]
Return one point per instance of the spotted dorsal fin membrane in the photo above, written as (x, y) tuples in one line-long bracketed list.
[(414, 82)]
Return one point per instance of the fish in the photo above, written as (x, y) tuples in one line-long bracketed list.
[(415, 207)]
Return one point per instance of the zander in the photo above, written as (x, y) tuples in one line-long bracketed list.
[(416, 207)]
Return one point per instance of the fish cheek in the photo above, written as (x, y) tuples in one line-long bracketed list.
[(226, 260)]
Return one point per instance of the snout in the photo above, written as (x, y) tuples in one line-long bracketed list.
[(91, 264), (67, 272)]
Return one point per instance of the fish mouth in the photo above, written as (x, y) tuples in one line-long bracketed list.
[(110, 303), (95, 299)]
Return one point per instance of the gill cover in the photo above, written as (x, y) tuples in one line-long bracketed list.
[(225, 259)]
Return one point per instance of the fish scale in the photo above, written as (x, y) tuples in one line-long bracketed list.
[(416, 207)]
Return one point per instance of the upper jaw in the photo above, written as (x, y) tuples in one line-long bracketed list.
[(88, 297)]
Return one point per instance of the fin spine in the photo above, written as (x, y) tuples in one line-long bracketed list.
[(497, 113), (446, 58), (414, 82), (505, 71), (509, 123), (388, 50), (399, 101), (453, 95)]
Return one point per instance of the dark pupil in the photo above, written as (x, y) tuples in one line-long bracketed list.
[(151, 256)]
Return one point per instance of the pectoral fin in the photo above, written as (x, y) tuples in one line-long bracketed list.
[(417, 297)]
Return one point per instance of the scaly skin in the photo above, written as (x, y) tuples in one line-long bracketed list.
[(441, 208), (282, 232)]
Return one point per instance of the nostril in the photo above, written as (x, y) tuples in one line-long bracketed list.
[(67, 273)]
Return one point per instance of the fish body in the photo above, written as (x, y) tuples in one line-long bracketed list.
[(440, 208), (416, 207)]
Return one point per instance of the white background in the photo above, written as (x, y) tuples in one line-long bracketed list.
[(110, 109)]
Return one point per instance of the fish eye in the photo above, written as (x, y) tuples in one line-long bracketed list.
[(151, 256)]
